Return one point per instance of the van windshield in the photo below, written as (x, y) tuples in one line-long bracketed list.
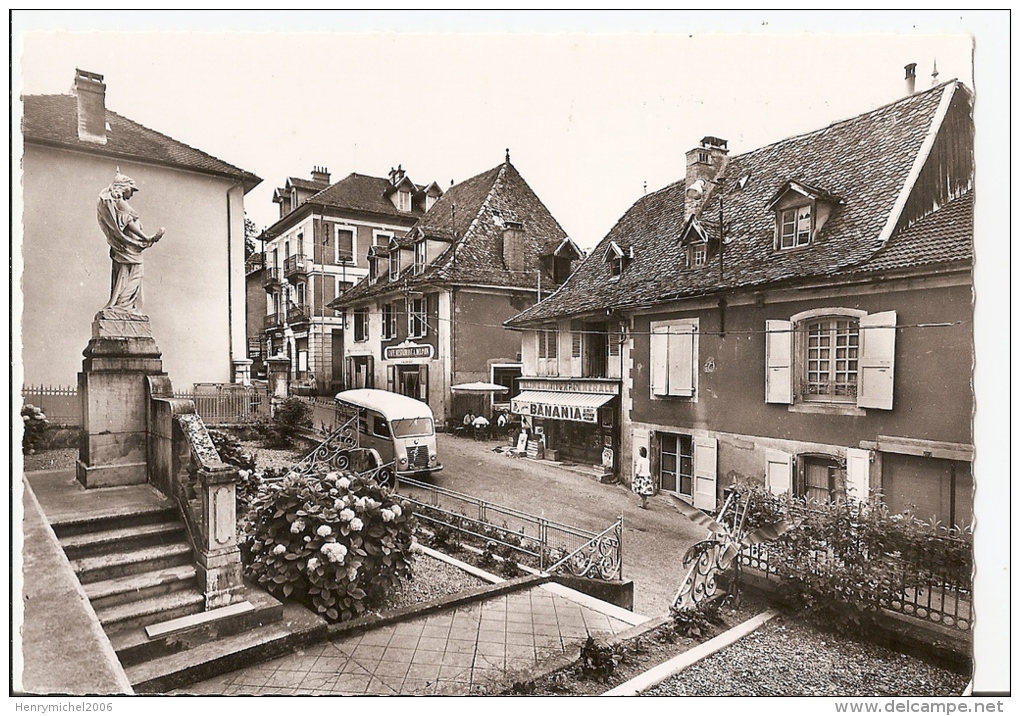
[(411, 427)]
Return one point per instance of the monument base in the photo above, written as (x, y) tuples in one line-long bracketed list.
[(113, 390)]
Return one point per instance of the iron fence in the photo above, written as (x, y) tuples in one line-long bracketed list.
[(58, 402), (228, 403), (932, 582), (551, 545)]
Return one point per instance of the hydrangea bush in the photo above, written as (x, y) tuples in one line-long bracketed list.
[(35, 427), (335, 541)]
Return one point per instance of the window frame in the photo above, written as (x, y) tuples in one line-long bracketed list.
[(416, 314), (679, 440), (420, 257), (394, 259), (548, 343), (805, 360), (793, 211), (667, 335), (389, 321), (699, 254), (360, 318), (338, 229)]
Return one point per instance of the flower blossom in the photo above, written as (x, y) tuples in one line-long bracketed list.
[(346, 515), (387, 515), (357, 524), (395, 509), (324, 531), (352, 573), (279, 549), (313, 564), (343, 483), (297, 527), (334, 552)]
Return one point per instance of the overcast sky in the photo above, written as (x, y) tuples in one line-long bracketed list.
[(590, 117)]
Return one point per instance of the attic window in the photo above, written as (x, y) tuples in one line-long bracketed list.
[(404, 200), (699, 254), (616, 266), (794, 226), (617, 258), (430, 201)]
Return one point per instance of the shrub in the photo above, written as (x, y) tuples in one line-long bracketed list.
[(35, 428), (281, 432), (598, 661), (230, 450), (695, 623), (334, 541)]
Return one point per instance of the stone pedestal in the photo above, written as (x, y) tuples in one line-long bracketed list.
[(242, 371), (113, 390), (219, 559)]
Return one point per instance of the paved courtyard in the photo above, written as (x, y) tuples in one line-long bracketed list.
[(459, 651)]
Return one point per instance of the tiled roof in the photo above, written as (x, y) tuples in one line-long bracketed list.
[(309, 184), (358, 192), (53, 120), (865, 161), (471, 215), (944, 236)]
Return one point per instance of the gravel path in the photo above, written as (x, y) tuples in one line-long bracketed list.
[(787, 658), (432, 579)]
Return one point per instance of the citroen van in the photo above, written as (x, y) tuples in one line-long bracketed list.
[(399, 428)]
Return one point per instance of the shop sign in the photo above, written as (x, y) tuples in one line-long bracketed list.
[(555, 412), (408, 350), (570, 386)]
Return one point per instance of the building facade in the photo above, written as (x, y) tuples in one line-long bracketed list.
[(73, 147), (318, 248), (799, 316), (429, 315)]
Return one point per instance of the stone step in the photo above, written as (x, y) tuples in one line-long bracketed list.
[(299, 627), (139, 515), (92, 544), (152, 610), (134, 646), (122, 564), (134, 587)]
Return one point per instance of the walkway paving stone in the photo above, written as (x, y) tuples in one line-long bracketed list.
[(452, 652)]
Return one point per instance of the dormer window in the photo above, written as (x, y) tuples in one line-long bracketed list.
[(795, 227), (699, 254), (617, 258), (801, 211), (394, 265), (404, 200), (430, 201)]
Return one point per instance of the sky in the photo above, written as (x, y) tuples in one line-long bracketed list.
[(593, 115), (594, 107)]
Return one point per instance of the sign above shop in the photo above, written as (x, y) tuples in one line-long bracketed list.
[(556, 412), (571, 386), (408, 350)]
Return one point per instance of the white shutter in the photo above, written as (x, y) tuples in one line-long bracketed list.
[(658, 347), (391, 378), (680, 356), (779, 362), (877, 355), (858, 464), (779, 472), (705, 471)]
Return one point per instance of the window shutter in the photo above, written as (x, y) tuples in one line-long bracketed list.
[(705, 462), (858, 466), (423, 383), (370, 373), (875, 369), (349, 378), (391, 378), (779, 472), (658, 346), (680, 355), (575, 339), (779, 362)]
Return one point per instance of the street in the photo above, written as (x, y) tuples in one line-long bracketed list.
[(654, 540)]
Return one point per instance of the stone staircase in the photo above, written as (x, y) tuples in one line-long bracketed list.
[(138, 571)]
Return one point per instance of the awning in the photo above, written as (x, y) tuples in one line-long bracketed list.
[(577, 407)]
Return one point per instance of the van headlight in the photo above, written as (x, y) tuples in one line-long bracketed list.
[(432, 457), (403, 461)]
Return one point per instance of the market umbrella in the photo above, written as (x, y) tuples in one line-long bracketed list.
[(479, 388)]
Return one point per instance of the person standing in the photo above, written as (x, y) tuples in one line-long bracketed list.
[(642, 482)]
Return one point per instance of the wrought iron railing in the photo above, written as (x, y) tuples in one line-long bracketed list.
[(297, 264), (552, 546), (228, 403)]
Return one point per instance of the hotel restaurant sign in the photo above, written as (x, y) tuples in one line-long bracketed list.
[(408, 350)]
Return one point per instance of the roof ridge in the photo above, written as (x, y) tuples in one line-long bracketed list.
[(846, 120)]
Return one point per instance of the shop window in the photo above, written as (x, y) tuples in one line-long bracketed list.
[(676, 463)]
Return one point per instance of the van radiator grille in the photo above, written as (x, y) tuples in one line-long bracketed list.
[(418, 457)]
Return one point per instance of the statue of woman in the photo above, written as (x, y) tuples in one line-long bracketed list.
[(127, 240)]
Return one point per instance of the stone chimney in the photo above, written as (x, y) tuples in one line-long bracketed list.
[(910, 77), (91, 93), (513, 245), (396, 175), (704, 163), (320, 175)]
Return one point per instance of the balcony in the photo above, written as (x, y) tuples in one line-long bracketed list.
[(298, 314), (272, 321), (296, 266), (271, 280)]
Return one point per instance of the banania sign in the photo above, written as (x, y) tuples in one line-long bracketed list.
[(556, 412)]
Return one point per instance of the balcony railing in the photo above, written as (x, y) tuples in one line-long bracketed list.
[(298, 314), (271, 279), (272, 320), (296, 265)]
